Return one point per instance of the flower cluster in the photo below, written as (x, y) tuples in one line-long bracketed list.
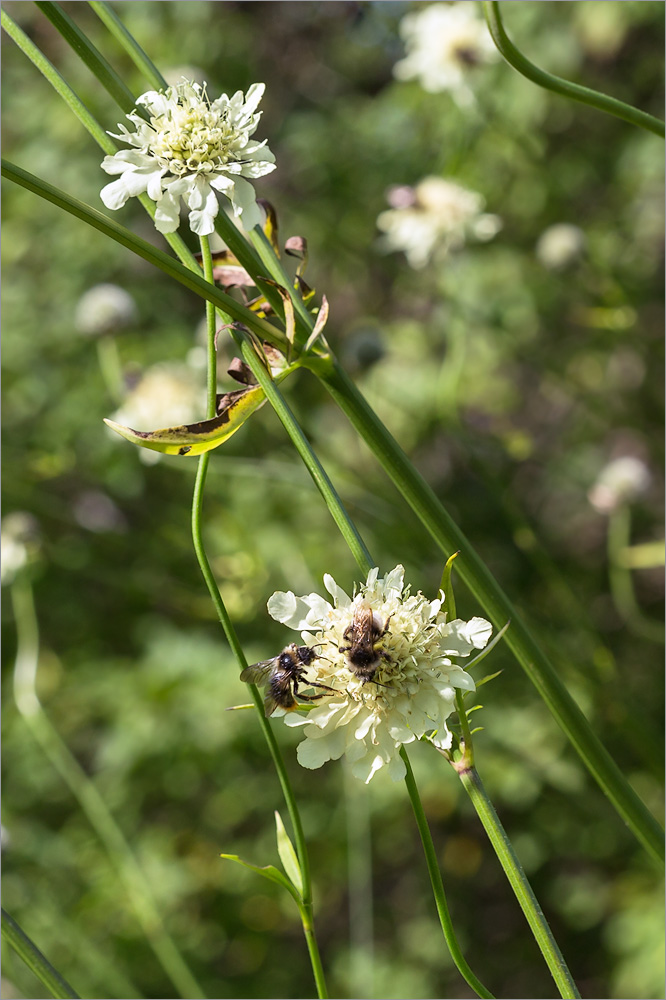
[(185, 146), (444, 41), (435, 216), (412, 690)]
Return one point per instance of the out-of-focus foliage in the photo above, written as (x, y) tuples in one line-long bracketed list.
[(511, 380)]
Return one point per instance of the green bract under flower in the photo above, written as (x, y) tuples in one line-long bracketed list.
[(411, 693), (190, 148)]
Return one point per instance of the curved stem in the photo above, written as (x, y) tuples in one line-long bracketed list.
[(514, 872), (305, 906), (496, 604), (621, 585), (36, 962), (437, 886), (576, 92), (91, 802)]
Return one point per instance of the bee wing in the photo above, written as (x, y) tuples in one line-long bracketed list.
[(270, 705), (258, 673)]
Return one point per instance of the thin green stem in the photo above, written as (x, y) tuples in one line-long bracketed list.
[(305, 904), (84, 48), (346, 526), (622, 589), (496, 604), (602, 102), (33, 958), (528, 902), (92, 804), (437, 886), (110, 19)]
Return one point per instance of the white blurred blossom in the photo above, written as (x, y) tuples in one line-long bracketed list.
[(19, 543), (191, 148), (621, 481), (444, 42), (168, 394), (103, 309), (560, 245), (412, 692), (437, 216)]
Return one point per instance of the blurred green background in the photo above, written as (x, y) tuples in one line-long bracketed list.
[(511, 381)]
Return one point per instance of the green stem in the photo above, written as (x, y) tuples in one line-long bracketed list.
[(91, 802), (346, 526), (33, 958), (110, 19), (574, 91), (502, 846), (437, 886), (110, 367), (305, 905), (84, 48), (624, 597), (494, 601)]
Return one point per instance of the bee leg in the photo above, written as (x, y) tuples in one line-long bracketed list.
[(316, 684), (311, 697)]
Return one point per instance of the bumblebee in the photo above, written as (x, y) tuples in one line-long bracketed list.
[(282, 675), (364, 635)]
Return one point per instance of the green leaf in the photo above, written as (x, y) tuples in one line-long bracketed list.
[(194, 439), (449, 605), (288, 854), (488, 677), (270, 872)]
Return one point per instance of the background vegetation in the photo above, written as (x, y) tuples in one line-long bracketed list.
[(510, 384)]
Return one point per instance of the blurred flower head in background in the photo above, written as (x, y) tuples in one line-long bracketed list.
[(104, 309), (621, 481), (191, 148), (560, 245), (167, 394), (19, 541), (436, 216), (412, 689), (444, 43)]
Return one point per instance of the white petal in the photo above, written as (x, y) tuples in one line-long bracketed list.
[(285, 607), (203, 222), (244, 200), (254, 95), (115, 195), (479, 632), (397, 769), (393, 582), (167, 213), (221, 182), (367, 766), (340, 598)]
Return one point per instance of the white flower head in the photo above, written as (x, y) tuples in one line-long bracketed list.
[(104, 309), (20, 539), (444, 43), (436, 216), (411, 692), (190, 147), (621, 481), (560, 245)]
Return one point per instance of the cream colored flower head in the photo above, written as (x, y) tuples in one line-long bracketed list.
[(412, 690), (191, 148), (444, 43), (437, 216)]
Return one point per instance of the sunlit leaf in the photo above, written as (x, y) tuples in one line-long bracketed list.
[(194, 439), (288, 854), (270, 872)]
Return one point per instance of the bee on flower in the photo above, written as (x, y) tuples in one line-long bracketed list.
[(187, 147), (387, 655)]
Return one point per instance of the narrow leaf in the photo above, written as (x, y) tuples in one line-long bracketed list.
[(194, 439), (270, 226), (488, 677), (289, 318), (288, 854), (491, 645), (449, 605), (320, 323), (270, 872)]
